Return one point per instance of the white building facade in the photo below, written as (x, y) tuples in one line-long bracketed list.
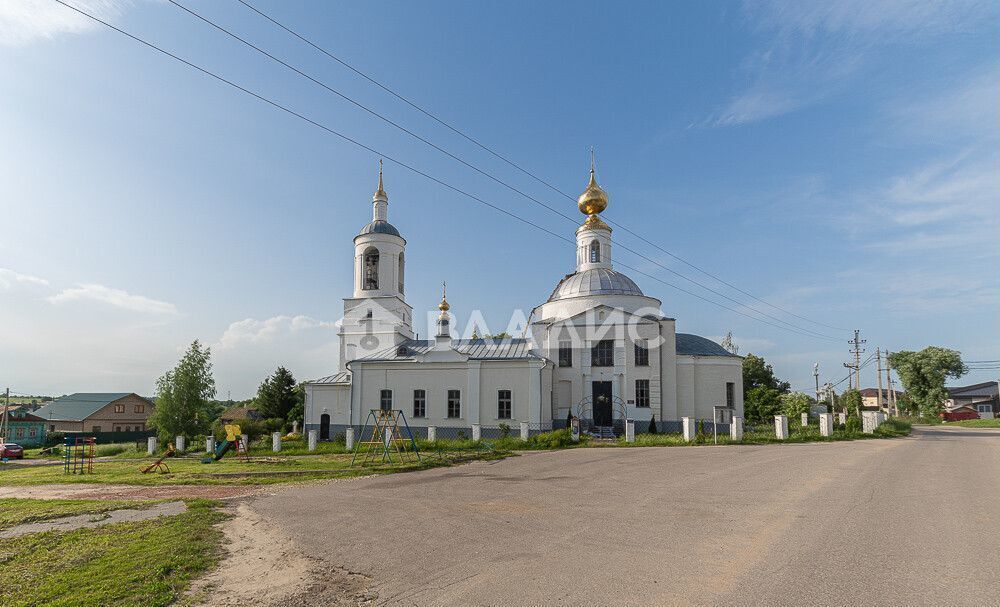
[(598, 349)]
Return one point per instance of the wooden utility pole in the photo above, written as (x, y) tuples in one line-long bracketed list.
[(878, 358), (3, 420)]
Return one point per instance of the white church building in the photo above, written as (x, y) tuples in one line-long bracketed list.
[(597, 348)]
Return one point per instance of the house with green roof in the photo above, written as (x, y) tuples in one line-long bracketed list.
[(97, 412)]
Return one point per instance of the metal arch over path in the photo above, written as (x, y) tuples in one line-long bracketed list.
[(584, 411)]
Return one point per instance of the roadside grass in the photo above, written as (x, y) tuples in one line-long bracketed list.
[(763, 434), (140, 564), (976, 423), (232, 471), (17, 511)]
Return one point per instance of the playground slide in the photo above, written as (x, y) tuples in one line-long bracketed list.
[(223, 448)]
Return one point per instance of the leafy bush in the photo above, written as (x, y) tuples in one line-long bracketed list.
[(504, 430), (853, 425)]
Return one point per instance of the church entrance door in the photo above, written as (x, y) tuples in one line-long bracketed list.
[(602, 403)]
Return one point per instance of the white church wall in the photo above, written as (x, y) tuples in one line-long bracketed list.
[(702, 384)]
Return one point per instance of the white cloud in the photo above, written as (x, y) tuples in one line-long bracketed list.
[(113, 297), (863, 17), (253, 331), (754, 106), (24, 21), (8, 278)]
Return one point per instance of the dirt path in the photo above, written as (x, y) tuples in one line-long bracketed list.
[(129, 492), (81, 521), (262, 569)]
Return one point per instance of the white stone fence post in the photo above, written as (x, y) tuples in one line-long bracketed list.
[(276, 441), (826, 424), (432, 433), (841, 418), (312, 437), (477, 432), (629, 430), (736, 429), (151, 445), (210, 444), (805, 419), (525, 431), (349, 438), (781, 427), (689, 430), (179, 443)]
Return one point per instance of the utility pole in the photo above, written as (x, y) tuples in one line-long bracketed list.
[(857, 350), (850, 375), (3, 421), (878, 357), (816, 376), (892, 390)]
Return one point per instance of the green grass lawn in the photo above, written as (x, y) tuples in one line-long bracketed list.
[(976, 423), (232, 471), (17, 511), (141, 564)]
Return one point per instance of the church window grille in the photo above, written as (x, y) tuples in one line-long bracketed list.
[(370, 270), (385, 400), (565, 354), (419, 403), (454, 403), (642, 393), (595, 251), (602, 354), (730, 394), (641, 354), (504, 402)]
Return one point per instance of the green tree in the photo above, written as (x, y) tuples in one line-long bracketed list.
[(924, 374), (277, 395), (850, 401), (794, 404), (761, 390), (761, 404), (183, 396), (756, 372)]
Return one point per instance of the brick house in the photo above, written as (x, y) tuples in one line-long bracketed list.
[(97, 412)]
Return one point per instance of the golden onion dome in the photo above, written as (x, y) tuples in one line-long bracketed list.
[(594, 199)]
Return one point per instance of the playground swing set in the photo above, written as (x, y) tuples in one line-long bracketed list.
[(386, 443)]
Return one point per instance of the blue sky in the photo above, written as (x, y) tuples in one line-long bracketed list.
[(837, 160)]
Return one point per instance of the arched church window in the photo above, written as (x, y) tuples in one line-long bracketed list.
[(595, 251), (370, 265), (401, 264)]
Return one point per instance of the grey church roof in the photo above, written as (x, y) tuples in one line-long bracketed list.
[(380, 227), (596, 281), (344, 377), (481, 349), (696, 345)]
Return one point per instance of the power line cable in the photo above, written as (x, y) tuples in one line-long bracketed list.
[(413, 169), (472, 166), (513, 164)]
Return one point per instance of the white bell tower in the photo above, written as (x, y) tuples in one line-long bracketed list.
[(377, 316)]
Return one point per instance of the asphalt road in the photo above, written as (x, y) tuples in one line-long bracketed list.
[(911, 521)]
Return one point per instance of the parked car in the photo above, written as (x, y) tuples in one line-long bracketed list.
[(12, 451)]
